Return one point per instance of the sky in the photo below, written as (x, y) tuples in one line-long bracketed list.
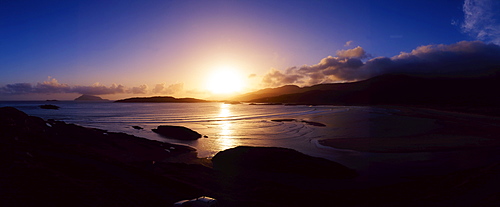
[(53, 49)]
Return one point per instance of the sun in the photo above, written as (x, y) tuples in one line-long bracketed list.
[(225, 80)]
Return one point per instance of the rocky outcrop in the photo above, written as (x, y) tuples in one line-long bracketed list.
[(58, 164), (252, 160), (177, 132), (49, 106)]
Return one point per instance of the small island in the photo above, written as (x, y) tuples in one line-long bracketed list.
[(160, 99), (86, 97)]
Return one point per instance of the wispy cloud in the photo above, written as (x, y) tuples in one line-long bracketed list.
[(482, 20), (465, 58), (348, 43)]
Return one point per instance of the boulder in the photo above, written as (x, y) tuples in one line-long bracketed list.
[(254, 160), (177, 132)]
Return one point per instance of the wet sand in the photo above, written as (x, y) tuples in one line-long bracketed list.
[(406, 130)]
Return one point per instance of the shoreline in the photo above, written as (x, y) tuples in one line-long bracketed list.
[(58, 164), (437, 131)]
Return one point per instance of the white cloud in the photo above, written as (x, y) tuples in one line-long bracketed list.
[(482, 20)]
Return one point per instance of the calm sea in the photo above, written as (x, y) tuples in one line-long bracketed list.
[(228, 126), (225, 125)]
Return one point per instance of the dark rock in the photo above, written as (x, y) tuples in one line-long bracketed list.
[(17, 125), (252, 160), (177, 132), (283, 120), (307, 122), (49, 106), (314, 123), (58, 164), (137, 127)]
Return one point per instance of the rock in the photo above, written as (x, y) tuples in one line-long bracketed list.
[(177, 132), (314, 123), (137, 127), (254, 160), (283, 120), (49, 106)]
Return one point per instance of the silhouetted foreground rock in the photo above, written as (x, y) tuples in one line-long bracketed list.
[(246, 159), (51, 163), (177, 132)]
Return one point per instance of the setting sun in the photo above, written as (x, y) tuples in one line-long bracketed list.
[(224, 81)]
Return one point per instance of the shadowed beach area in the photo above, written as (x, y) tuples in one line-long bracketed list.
[(406, 130), (58, 164)]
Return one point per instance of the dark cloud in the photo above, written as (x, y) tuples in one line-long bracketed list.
[(49, 86), (52, 86), (474, 58), (17, 88)]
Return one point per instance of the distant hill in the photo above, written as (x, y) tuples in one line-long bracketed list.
[(396, 89), (268, 92), (161, 99), (90, 98)]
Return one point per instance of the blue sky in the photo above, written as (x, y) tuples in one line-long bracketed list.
[(166, 47)]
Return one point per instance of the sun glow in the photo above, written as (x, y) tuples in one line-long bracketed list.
[(225, 80)]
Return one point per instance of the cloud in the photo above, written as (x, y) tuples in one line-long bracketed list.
[(98, 89), (162, 88), (464, 58), (253, 75), (357, 52), (277, 78), (49, 86), (52, 86), (142, 89), (482, 20), (348, 43), (16, 88)]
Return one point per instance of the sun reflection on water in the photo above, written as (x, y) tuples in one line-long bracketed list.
[(226, 139)]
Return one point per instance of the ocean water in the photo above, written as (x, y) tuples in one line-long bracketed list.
[(225, 125), (231, 125)]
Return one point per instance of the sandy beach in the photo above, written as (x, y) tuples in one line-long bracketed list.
[(405, 130)]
